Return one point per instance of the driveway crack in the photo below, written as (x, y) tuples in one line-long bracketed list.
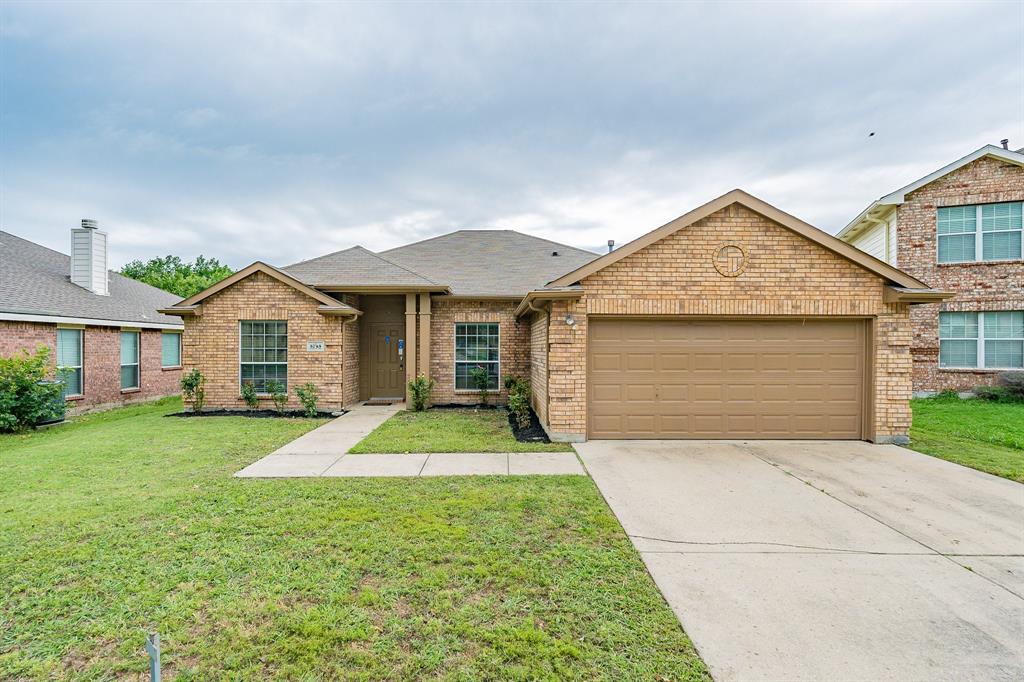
[(949, 557)]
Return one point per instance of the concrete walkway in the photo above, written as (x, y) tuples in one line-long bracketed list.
[(322, 452)]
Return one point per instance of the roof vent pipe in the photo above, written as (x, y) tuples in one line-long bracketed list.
[(1005, 142), (89, 257), (611, 245)]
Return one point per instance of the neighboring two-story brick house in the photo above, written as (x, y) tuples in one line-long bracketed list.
[(958, 229), (102, 329)]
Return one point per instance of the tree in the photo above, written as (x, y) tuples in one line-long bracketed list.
[(172, 274)]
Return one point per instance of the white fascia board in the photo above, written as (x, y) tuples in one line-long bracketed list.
[(88, 321), (877, 212)]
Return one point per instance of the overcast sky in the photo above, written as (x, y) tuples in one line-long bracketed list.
[(280, 133)]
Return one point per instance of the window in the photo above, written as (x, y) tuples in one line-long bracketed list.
[(170, 350), (476, 345), (990, 340), (264, 353), (69, 360), (999, 236), (129, 360)]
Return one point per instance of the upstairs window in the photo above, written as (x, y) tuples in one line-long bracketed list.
[(264, 351), (129, 360), (989, 340), (986, 232), (69, 360), (476, 345)]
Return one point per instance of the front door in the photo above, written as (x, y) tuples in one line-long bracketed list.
[(387, 367)]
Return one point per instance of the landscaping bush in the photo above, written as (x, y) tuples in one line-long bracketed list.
[(249, 395), (308, 395), (279, 395), (192, 386), (26, 397), (1013, 384), (996, 394), (482, 381), (419, 391), (948, 394), (519, 400)]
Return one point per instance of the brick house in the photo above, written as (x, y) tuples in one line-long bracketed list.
[(102, 329), (959, 229), (735, 320)]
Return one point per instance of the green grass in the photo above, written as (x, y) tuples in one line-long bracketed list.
[(980, 434), (129, 521), (447, 430)]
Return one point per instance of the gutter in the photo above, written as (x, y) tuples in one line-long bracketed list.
[(88, 321), (552, 294), (894, 294)]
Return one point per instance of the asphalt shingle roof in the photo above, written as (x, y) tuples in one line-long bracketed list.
[(355, 267), (34, 281), (490, 262)]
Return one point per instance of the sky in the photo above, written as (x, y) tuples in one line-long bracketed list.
[(282, 132)]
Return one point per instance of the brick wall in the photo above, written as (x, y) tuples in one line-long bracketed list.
[(101, 365), (211, 342), (786, 274), (514, 343), (978, 286), (539, 365)]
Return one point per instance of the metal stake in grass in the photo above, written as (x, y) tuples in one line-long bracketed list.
[(153, 649)]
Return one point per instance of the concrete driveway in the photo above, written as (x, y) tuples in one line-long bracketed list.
[(826, 560)]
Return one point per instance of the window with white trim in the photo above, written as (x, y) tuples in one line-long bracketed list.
[(170, 349), (69, 360), (988, 340), (984, 232), (477, 345), (264, 353), (129, 360)]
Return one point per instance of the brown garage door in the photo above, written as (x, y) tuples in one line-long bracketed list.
[(725, 378)]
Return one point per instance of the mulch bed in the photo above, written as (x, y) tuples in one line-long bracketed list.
[(259, 414), (534, 433)]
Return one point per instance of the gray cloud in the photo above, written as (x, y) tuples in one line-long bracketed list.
[(281, 132)]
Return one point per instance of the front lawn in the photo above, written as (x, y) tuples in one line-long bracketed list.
[(980, 434), (128, 522), (449, 430)]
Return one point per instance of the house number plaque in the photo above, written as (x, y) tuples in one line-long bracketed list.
[(315, 346)]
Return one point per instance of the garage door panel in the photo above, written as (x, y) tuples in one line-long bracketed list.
[(606, 362), (726, 379)]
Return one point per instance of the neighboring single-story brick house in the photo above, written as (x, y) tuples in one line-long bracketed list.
[(101, 327), (735, 320)]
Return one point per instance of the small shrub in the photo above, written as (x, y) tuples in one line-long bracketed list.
[(192, 386), (26, 397), (249, 395), (996, 394), (519, 400), (308, 396), (279, 395), (1013, 384), (419, 391), (482, 381), (948, 394)]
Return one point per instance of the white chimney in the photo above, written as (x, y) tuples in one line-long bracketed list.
[(89, 257)]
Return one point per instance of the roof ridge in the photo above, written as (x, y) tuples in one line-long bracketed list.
[(402, 267), (488, 229), (326, 255), (35, 244)]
